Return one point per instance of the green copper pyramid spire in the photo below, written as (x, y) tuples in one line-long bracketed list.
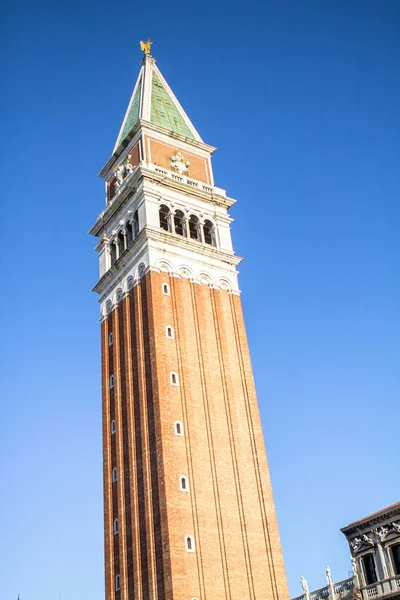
[(164, 112), (132, 114), (153, 101)]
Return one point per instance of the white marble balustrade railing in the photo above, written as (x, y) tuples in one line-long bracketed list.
[(385, 587), (343, 589), (183, 179)]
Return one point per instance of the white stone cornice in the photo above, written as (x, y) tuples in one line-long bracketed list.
[(129, 188), (141, 127), (188, 144), (121, 153), (215, 195), (155, 249), (143, 179), (174, 240)]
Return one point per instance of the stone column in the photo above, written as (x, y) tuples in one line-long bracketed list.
[(201, 227), (124, 236), (391, 572), (382, 560), (108, 254), (383, 570), (172, 221)]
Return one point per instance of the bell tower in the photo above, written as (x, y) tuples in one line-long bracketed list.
[(188, 506)]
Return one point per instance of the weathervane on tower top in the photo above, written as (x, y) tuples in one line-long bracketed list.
[(145, 46)]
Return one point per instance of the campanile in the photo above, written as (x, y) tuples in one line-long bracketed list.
[(188, 506)]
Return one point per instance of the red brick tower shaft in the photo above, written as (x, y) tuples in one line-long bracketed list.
[(189, 512)]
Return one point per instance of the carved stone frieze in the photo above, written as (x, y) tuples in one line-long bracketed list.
[(367, 540), (179, 164), (380, 533), (123, 170)]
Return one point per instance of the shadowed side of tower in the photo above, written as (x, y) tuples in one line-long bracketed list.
[(189, 512)]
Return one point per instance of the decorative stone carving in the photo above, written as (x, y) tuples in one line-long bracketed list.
[(165, 266), (179, 164), (224, 284), (304, 585), (368, 540), (380, 533), (185, 273), (205, 278), (123, 170), (328, 576), (354, 565), (396, 527)]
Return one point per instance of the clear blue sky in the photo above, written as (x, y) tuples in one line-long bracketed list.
[(302, 99)]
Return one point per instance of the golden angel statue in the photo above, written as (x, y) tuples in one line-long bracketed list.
[(145, 46)]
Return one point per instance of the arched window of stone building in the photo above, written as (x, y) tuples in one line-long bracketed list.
[(209, 233), (189, 543), (174, 378), (183, 483), (165, 217), (369, 569), (194, 228), (117, 583), (115, 526), (395, 552), (179, 223), (178, 428)]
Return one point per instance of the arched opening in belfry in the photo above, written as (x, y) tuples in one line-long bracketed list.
[(129, 233), (209, 233), (121, 243), (113, 252), (165, 217), (135, 224), (179, 223), (194, 228)]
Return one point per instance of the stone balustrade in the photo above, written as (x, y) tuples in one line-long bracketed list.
[(381, 588), (345, 590)]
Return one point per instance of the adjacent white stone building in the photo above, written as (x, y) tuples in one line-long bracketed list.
[(375, 557)]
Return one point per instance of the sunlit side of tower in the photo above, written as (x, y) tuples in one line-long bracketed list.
[(188, 506)]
